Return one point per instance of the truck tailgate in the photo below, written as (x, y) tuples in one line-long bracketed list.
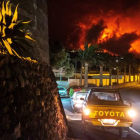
[(109, 112)]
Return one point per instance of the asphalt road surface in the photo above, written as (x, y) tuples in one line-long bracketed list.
[(75, 125)]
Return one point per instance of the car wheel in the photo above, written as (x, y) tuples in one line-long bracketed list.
[(123, 132)]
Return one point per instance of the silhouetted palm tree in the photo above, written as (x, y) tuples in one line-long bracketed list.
[(87, 57), (129, 59), (100, 62), (135, 69), (110, 63)]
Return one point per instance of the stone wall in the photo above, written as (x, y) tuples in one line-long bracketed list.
[(36, 11), (30, 107)]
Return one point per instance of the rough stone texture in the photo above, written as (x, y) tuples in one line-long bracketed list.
[(30, 106), (36, 11)]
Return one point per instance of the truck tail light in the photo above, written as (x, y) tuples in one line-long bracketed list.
[(131, 113), (86, 111)]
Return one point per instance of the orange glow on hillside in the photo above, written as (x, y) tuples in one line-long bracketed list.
[(135, 46), (116, 25), (107, 33)]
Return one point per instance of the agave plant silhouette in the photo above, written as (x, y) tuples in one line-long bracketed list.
[(13, 33)]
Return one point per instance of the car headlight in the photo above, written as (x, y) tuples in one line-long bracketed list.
[(86, 111), (131, 113)]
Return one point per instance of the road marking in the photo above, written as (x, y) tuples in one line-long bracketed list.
[(134, 131)]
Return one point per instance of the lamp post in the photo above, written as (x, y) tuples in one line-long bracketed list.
[(117, 70), (101, 76), (115, 75)]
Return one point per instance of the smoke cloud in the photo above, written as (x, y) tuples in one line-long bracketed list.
[(115, 25), (94, 32), (120, 45)]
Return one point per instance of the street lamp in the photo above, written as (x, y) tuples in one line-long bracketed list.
[(114, 68)]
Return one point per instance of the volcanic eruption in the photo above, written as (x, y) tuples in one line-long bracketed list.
[(113, 25)]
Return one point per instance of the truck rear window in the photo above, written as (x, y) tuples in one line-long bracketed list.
[(104, 96)]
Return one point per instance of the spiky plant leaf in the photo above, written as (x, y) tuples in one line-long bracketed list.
[(3, 31), (24, 44), (12, 25), (28, 37), (0, 16), (4, 21), (15, 16), (10, 11), (12, 30), (16, 53), (3, 9), (9, 40), (7, 8), (22, 25), (8, 47)]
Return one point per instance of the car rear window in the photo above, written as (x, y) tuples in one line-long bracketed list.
[(104, 96), (61, 88), (80, 95)]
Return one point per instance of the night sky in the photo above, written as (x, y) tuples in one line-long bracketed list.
[(112, 24)]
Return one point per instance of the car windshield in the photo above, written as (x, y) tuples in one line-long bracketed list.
[(79, 95), (104, 96)]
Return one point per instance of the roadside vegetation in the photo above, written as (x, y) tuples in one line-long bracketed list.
[(60, 59)]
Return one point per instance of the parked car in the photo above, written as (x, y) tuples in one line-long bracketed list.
[(62, 91), (73, 89), (105, 108), (77, 100)]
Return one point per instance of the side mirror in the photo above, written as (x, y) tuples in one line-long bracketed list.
[(128, 103), (82, 99)]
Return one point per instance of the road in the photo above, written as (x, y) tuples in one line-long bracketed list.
[(75, 126)]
